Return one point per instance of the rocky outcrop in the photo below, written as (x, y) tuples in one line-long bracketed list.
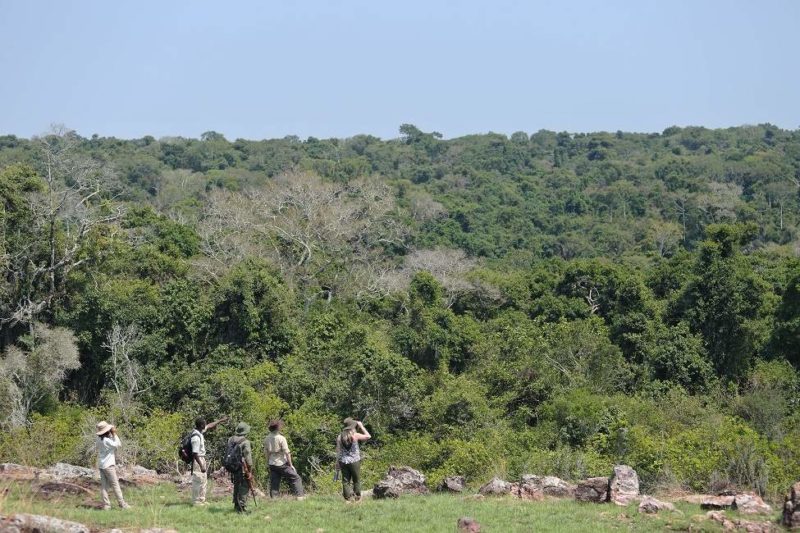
[(533, 487), (717, 503), (739, 524), (496, 487), (59, 488), (791, 508), (594, 489), (623, 487), (750, 503), (398, 481), (468, 525), (68, 472), (24, 523), (452, 484), (15, 472), (650, 505)]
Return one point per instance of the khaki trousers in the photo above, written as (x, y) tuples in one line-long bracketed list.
[(199, 484), (109, 480)]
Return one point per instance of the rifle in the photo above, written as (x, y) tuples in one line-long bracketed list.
[(248, 475)]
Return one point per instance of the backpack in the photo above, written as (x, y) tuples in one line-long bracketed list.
[(233, 456), (185, 449)]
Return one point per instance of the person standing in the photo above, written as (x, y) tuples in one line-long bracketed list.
[(348, 457), (107, 444), (279, 459), (200, 474), (240, 484)]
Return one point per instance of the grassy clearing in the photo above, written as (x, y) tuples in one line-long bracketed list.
[(163, 506)]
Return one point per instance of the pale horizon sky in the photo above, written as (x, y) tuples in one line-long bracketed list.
[(251, 69)]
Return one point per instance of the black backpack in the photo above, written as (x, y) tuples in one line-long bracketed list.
[(233, 456), (185, 450)]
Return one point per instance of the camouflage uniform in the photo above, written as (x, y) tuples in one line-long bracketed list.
[(241, 489)]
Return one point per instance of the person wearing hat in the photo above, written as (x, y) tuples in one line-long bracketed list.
[(240, 486), (279, 459), (107, 444), (348, 456)]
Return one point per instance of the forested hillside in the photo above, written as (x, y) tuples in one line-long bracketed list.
[(548, 303)]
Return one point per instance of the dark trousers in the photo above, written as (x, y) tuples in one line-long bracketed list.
[(240, 491), (276, 473), (351, 473)]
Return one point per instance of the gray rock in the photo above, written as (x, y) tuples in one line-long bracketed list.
[(594, 489), (22, 522), (18, 472), (623, 487), (546, 485), (749, 503), (468, 525), (398, 481), (650, 505), (452, 484), (496, 487), (717, 503), (65, 472)]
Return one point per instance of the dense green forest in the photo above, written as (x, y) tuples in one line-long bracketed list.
[(549, 303)]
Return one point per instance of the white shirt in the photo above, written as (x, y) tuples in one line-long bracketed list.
[(106, 449), (198, 443)]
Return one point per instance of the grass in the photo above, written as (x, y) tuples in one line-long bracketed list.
[(163, 506)]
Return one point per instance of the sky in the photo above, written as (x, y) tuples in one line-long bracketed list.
[(266, 69)]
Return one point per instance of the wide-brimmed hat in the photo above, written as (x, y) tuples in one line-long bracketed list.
[(274, 424), (242, 429), (349, 423), (103, 427)]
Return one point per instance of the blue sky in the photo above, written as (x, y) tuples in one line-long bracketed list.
[(263, 69)]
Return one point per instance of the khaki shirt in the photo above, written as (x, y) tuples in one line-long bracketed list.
[(276, 449)]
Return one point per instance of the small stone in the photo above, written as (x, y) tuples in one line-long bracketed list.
[(468, 525), (650, 505)]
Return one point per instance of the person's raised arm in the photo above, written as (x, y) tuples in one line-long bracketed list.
[(363, 434), (215, 423)]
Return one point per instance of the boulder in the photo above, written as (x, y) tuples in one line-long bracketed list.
[(623, 487), (594, 489), (468, 525), (529, 491), (398, 481), (650, 505), (717, 503), (791, 508), (67, 472), (139, 475), (750, 503), (23, 523), (546, 485), (17, 472), (452, 484), (496, 487)]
